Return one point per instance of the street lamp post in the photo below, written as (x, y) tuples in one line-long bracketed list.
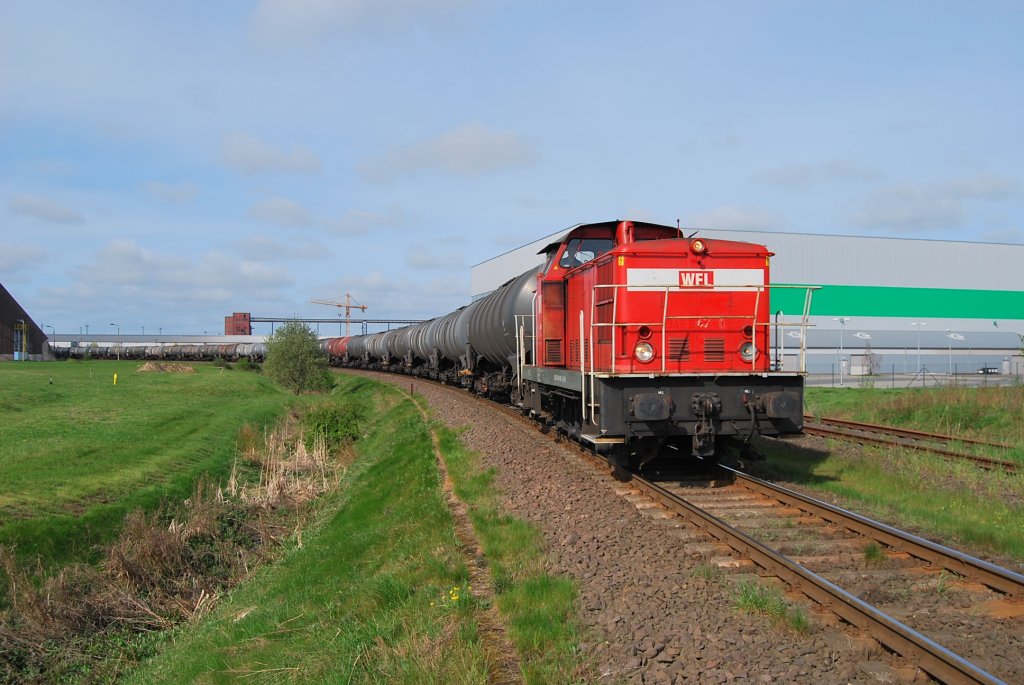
[(952, 336), (949, 334), (842, 326), (117, 342), (53, 344), (919, 326)]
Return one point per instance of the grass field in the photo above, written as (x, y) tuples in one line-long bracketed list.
[(378, 590), (80, 452), (952, 501), (373, 588), (989, 413)]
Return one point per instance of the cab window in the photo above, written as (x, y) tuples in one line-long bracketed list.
[(579, 251)]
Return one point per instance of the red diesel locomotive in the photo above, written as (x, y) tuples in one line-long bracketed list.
[(630, 337)]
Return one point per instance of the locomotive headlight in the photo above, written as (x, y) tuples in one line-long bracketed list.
[(698, 246), (644, 351), (747, 351)]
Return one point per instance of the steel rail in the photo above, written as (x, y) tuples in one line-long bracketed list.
[(983, 462), (906, 432), (995, 577), (933, 658)]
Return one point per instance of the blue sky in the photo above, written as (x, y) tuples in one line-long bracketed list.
[(165, 164)]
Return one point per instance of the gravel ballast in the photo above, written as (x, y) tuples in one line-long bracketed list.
[(647, 616)]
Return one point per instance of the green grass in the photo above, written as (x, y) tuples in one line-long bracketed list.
[(953, 501), (80, 452), (367, 598), (537, 607), (753, 597), (991, 414), (873, 554), (379, 590)]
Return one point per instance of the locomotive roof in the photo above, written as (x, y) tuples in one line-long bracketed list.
[(610, 225), (734, 246)]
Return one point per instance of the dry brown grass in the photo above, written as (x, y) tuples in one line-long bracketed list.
[(166, 367), (170, 565)]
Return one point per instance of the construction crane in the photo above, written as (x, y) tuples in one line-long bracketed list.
[(348, 305)]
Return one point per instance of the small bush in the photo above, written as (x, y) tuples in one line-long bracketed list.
[(874, 554), (755, 598), (221, 363), (798, 620), (245, 364), (336, 425), (295, 360), (708, 572)]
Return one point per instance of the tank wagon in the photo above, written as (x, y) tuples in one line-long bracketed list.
[(630, 337), (170, 351)]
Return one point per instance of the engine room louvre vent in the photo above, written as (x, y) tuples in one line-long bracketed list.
[(553, 351), (574, 351), (679, 349), (714, 350)]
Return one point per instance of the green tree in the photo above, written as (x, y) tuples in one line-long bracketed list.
[(295, 360)]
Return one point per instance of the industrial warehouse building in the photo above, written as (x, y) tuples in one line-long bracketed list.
[(885, 305), (20, 337)]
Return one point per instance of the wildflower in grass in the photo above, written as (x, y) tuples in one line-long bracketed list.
[(456, 593)]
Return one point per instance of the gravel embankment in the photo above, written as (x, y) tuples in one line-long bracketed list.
[(647, 617)]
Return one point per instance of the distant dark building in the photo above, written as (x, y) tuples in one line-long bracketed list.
[(20, 337), (238, 324)]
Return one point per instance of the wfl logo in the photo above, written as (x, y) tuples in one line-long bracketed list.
[(696, 279)]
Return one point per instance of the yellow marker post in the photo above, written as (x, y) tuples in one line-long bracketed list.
[(115, 379)]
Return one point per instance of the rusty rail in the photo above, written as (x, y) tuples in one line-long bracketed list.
[(842, 430), (933, 658)]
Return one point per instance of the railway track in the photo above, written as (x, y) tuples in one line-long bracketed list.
[(814, 548), (920, 441)]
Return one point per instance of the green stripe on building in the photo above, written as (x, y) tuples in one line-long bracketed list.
[(864, 300)]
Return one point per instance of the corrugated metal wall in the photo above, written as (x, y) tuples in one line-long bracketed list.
[(986, 277), (835, 260)]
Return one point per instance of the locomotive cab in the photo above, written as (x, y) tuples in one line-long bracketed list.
[(642, 337)]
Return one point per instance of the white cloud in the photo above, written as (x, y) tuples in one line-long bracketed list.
[(17, 258), (361, 222), (803, 175), (263, 249), (174, 193), (911, 207), (281, 211), (251, 156), (44, 209), (982, 187), (394, 294), (296, 22), (425, 257), (123, 262), (125, 268), (1013, 236), (469, 150), (735, 217)]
